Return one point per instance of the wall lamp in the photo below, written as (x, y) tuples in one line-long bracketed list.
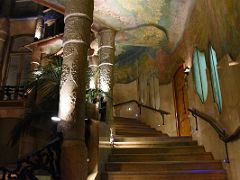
[(55, 119), (186, 70)]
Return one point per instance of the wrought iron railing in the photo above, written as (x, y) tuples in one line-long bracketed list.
[(11, 92), (223, 135), (46, 159), (140, 105)]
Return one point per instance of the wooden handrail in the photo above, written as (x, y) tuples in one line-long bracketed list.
[(217, 127), (145, 106), (162, 112), (223, 135)]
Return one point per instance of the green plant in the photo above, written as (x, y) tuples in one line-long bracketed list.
[(43, 96)]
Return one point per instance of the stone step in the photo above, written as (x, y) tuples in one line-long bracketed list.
[(160, 157), (158, 143), (130, 123), (163, 166), (140, 135), (140, 152), (126, 133), (125, 119), (136, 128), (174, 149), (155, 139), (173, 175), (133, 122)]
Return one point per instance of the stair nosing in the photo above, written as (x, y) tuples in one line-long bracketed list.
[(205, 171), (167, 162), (166, 154)]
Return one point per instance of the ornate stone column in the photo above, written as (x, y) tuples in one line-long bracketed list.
[(78, 20), (4, 33), (106, 57), (93, 63)]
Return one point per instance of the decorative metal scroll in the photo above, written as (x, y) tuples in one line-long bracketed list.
[(46, 159), (11, 92)]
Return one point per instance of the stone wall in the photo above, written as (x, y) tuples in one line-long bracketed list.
[(126, 92), (229, 73)]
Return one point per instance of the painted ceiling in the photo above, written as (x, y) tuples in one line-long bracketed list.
[(144, 28), (143, 22), (164, 33)]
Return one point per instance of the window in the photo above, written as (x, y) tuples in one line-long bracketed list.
[(199, 74), (19, 61), (215, 79)]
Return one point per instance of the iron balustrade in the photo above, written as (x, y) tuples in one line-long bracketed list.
[(46, 159), (11, 93)]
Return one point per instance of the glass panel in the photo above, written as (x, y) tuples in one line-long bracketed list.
[(20, 42), (13, 70), (200, 75), (215, 79), (25, 68)]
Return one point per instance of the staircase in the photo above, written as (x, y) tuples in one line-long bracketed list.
[(142, 153)]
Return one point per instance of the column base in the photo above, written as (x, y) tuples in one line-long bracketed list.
[(73, 160)]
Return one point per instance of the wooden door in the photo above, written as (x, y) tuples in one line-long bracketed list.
[(181, 103)]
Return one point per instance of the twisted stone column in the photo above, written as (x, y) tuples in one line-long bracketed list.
[(106, 57), (4, 32), (78, 20)]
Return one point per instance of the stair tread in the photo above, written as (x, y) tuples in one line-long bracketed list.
[(168, 162), (163, 147), (144, 149), (168, 172), (141, 152), (155, 142), (166, 154)]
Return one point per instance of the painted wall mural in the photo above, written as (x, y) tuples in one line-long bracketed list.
[(133, 61)]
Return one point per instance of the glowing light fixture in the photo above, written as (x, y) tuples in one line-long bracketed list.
[(92, 84), (186, 70), (34, 62), (56, 119)]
